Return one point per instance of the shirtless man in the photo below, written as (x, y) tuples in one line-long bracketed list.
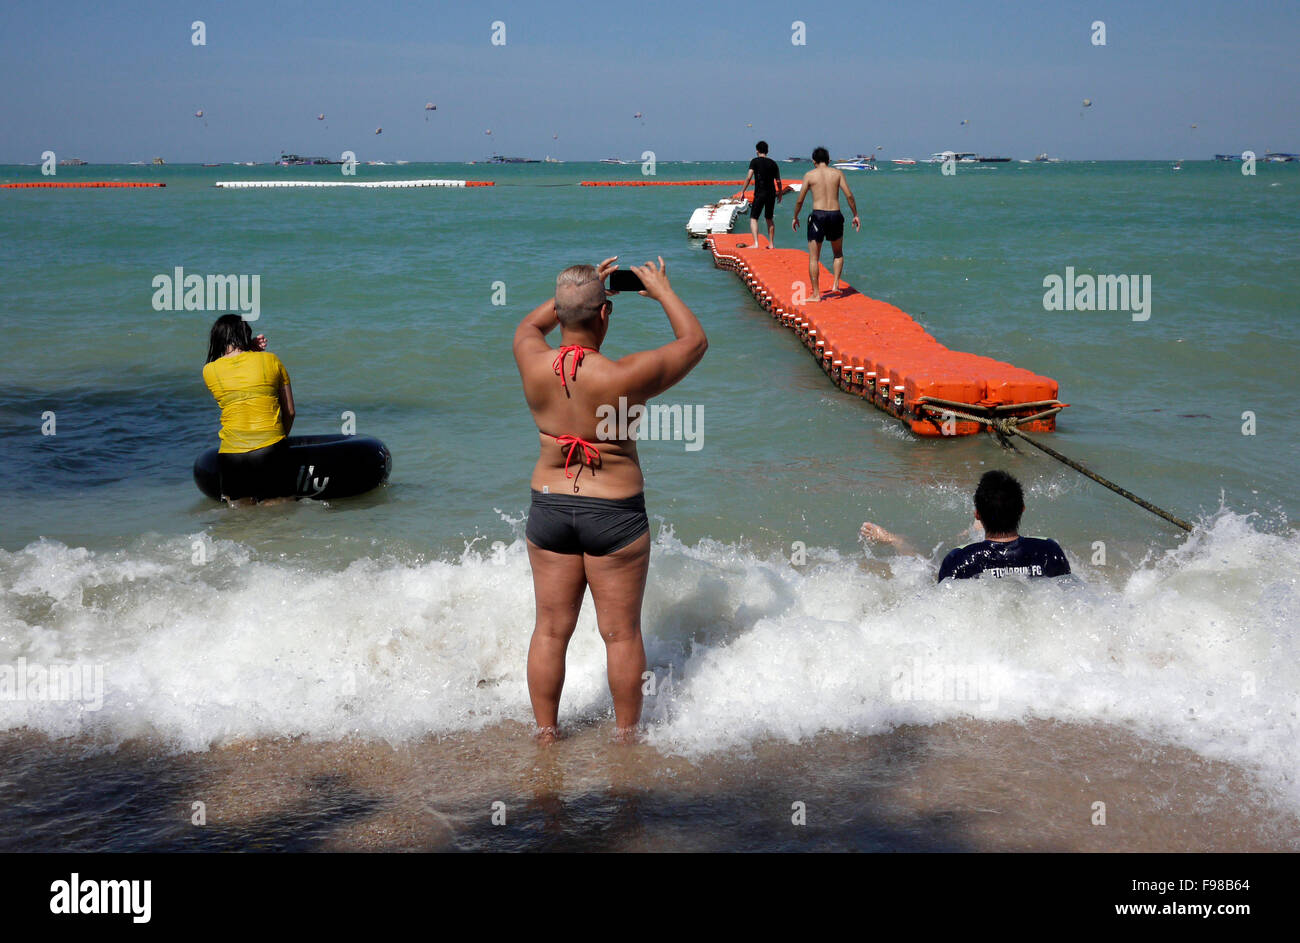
[(587, 524), (826, 222)]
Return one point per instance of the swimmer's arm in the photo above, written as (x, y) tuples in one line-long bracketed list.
[(748, 177), (877, 534), (530, 336), (287, 411), (650, 372)]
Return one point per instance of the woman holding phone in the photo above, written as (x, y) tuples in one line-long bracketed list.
[(587, 523), (252, 388)]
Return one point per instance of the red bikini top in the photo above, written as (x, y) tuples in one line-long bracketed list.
[(590, 454)]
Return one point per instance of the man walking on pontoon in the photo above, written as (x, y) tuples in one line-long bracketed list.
[(766, 175), (826, 222)]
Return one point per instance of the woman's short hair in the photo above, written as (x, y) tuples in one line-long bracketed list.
[(579, 294)]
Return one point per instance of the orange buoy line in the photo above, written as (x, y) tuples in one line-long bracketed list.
[(785, 188), (661, 183), (876, 351), (78, 184)]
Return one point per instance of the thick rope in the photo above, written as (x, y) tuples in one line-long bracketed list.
[(1006, 427)]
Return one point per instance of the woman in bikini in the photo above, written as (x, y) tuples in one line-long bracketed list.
[(587, 524)]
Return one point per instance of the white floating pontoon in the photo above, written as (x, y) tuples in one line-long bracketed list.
[(716, 217)]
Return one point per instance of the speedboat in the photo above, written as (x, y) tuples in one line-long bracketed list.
[(903, 161), (293, 160), (861, 162)]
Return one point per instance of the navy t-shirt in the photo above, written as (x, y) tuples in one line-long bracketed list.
[(766, 173), (1024, 556)]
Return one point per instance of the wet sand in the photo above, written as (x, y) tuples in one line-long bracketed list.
[(967, 786)]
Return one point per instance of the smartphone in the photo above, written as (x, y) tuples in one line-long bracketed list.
[(623, 280)]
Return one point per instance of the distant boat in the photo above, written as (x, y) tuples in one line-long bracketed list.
[(860, 162), (614, 160), (211, 165), (1278, 157), (961, 157), (992, 160), (903, 161), (796, 160), (551, 160), (401, 162), (498, 159), (293, 160), (72, 162), (158, 162)]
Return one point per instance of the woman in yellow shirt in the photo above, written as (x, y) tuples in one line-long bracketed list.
[(251, 386)]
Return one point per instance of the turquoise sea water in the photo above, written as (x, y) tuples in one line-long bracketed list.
[(379, 302)]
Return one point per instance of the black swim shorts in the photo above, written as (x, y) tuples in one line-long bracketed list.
[(571, 523), (825, 226), (261, 473), (764, 203)]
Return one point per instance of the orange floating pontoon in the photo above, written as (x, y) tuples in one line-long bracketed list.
[(78, 184), (874, 350)]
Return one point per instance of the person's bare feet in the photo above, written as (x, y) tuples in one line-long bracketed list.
[(545, 736), (626, 735), (815, 298)]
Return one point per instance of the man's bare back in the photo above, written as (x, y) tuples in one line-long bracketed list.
[(824, 183), (825, 222)]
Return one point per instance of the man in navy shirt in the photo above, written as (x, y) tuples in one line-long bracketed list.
[(767, 192), (999, 503)]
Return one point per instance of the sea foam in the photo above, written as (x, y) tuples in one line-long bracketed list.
[(1197, 646)]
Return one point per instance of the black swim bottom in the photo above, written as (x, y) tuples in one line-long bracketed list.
[(571, 523), (261, 473), (825, 226), (764, 203)]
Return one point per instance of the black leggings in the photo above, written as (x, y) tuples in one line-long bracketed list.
[(261, 473), (570, 523)]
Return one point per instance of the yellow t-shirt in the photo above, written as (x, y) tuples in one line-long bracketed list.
[(247, 388)]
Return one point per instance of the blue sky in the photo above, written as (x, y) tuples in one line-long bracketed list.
[(121, 81)]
